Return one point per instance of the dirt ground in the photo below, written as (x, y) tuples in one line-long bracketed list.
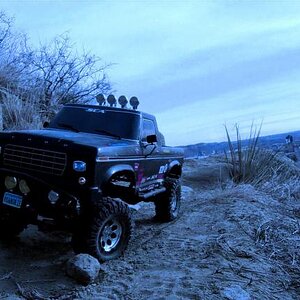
[(229, 243)]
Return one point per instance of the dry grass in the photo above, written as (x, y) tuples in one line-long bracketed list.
[(277, 175), (241, 156), (269, 171), (19, 113)]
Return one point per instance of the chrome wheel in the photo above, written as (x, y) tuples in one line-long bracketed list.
[(110, 235)]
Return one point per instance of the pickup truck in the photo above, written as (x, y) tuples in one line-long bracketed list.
[(83, 171)]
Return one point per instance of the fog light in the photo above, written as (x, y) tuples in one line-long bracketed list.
[(23, 186), (10, 182), (53, 197), (82, 181), (79, 166)]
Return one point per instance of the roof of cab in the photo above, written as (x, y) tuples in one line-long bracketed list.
[(112, 108)]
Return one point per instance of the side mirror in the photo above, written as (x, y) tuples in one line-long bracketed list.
[(151, 139), (46, 124)]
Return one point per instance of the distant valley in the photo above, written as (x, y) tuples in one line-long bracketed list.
[(276, 142)]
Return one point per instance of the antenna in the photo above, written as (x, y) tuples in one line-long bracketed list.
[(123, 101), (112, 100), (134, 102), (100, 99)]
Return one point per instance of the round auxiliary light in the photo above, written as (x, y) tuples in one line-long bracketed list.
[(111, 100), (134, 102), (23, 186), (53, 197), (100, 99), (123, 101), (10, 182)]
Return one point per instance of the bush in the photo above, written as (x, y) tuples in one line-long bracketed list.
[(269, 171), (241, 158), (19, 113)]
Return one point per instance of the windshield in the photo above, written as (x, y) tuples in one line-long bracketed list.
[(99, 121)]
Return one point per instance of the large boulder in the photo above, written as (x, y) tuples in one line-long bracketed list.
[(84, 268)]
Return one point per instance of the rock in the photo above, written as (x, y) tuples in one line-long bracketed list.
[(235, 292), (84, 268)]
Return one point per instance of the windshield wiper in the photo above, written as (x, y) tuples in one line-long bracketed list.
[(68, 126), (107, 133)]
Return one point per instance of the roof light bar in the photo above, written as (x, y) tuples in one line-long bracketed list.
[(111, 100)]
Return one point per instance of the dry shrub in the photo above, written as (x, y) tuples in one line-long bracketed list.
[(277, 175), (269, 171), (19, 113), (242, 156)]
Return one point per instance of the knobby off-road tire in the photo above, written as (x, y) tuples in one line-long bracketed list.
[(167, 206), (105, 231)]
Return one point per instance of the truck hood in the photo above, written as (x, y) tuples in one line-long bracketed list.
[(63, 137)]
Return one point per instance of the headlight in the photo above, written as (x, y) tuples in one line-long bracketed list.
[(23, 186), (79, 166), (10, 182)]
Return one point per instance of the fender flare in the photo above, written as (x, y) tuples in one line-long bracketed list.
[(172, 165), (116, 169)]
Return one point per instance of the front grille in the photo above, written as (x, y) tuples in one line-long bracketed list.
[(34, 159)]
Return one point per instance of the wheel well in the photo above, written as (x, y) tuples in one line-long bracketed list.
[(120, 185), (175, 171)]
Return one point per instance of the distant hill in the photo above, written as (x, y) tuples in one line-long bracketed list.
[(275, 142)]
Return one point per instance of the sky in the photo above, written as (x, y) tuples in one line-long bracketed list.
[(196, 65)]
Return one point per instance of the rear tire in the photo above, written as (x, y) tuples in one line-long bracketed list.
[(105, 232), (167, 206)]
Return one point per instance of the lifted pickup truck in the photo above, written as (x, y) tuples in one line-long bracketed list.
[(81, 173)]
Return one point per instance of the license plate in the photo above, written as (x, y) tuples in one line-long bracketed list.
[(12, 200)]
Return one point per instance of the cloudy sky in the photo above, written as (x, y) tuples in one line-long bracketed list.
[(196, 65)]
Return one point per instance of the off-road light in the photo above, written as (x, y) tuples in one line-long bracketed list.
[(122, 101), (134, 102), (53, 197), (100, 99), (81, 180), (10, 182), (23, 186), (112, 100), (79, 166)]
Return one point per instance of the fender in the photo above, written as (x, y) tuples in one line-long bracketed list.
[(116, 169), (174, 164)]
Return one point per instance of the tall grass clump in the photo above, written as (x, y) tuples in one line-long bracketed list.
[(269, 171), (241, 156)]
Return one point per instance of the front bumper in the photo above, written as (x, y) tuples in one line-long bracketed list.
[(36, 204)]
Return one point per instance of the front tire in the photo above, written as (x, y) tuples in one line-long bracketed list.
[(167, 206), (107, 231)]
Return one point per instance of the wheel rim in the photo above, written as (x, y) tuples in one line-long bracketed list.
[(110, 235)]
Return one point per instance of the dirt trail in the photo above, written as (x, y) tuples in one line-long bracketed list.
[(211, 248)]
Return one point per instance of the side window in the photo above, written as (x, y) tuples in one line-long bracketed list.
[(148, 128)]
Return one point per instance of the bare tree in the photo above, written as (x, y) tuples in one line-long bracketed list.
[(64, 75), (5, 27), (12, 48), (45, 78)]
